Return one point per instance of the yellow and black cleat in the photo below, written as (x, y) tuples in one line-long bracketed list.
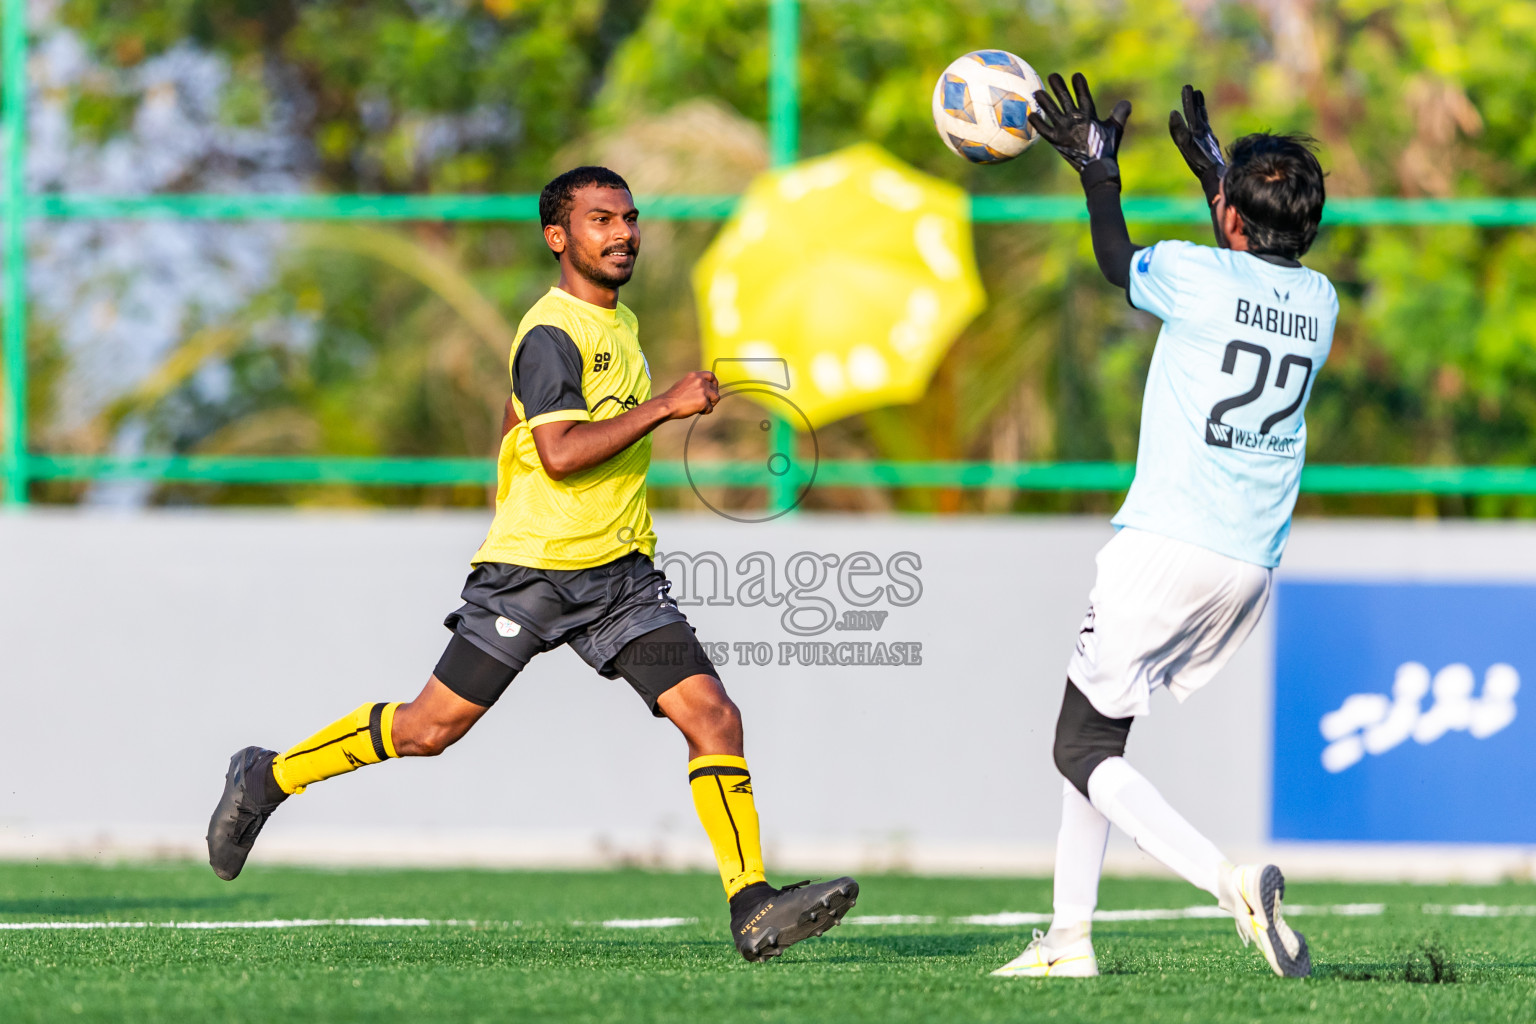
[(766, 921), (250, 797)]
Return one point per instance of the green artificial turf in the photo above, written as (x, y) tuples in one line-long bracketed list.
[(529, 960)]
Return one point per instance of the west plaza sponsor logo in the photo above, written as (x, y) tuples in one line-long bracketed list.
[(1224, 435), (813, 594)]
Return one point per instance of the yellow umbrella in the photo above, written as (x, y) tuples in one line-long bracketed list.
[(854, 269)]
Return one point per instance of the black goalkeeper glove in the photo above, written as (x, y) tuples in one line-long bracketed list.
[(1192, 134), (1085, 142)]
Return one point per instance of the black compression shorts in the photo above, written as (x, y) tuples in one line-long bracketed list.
[(608, 615)]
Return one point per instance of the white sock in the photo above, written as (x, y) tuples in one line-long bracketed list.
[(1125, 797), (1079, 862)]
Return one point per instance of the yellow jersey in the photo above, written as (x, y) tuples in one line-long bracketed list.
[(572, 360)]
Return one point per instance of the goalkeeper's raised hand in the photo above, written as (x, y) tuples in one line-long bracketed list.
[(1073, 127), (1192, 134)]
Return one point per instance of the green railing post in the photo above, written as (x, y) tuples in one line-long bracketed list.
[(783, 149), (783, 81), (13, 52)]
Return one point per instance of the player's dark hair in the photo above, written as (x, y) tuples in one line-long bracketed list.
[(1275, 184), (559, 196)]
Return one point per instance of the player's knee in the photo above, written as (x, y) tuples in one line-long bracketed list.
[(1086, 738), (434, 740), (426, 738), (731, 720), (710, 718), (723, 719), (1077, 756)]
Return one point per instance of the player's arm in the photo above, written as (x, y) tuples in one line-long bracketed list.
[(567, 446), (546, 379), (1197, 143), (1091, 146)]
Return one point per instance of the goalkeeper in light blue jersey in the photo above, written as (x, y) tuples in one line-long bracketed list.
[(1246, 328)]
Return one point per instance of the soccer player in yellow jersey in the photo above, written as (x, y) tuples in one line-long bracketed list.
[(568, 561)]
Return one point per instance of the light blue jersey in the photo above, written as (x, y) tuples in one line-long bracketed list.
[(1223, 433)]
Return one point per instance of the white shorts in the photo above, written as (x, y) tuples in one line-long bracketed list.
[(1162, 612)]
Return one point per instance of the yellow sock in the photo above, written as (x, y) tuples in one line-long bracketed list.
[(363, 737), (722, 794)]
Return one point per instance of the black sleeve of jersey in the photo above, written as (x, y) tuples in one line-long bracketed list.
[(1112, 244), (546, 373)]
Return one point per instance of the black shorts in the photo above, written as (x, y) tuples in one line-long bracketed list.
[(513, 612)]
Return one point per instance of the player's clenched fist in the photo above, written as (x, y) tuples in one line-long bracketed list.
[(699, 392)]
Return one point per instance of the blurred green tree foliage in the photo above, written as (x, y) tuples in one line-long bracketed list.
[(1435, 359)]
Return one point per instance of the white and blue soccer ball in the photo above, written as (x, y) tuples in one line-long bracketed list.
[(981, 106)]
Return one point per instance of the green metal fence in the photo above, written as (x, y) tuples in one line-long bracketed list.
[(19, 464)]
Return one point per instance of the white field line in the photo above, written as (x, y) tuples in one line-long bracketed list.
[(1017, 919), (297, 922), (1007, 919), (316, 922), (1344, 909), (1478, 910)]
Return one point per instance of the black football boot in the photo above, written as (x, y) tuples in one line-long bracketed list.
[(251, 794), (766, 921)]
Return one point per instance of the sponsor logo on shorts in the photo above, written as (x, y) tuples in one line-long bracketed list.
[(1090, 625), (506, 627)]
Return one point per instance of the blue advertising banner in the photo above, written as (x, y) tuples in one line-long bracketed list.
[(1397, 713)]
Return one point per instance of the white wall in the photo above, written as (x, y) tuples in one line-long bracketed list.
[(140, 651)]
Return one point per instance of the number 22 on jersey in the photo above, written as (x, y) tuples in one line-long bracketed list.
[(1288, 391)]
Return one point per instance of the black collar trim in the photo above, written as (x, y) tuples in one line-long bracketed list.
[(1277, 260)]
